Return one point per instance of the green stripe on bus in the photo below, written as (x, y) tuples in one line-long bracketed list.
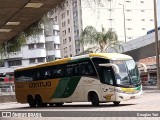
[(60, 88), (71, 87), (66, 87), (138, 88)]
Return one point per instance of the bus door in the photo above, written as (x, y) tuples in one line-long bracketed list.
[(108, 80)]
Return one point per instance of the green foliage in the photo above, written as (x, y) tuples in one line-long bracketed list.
[(13, 45), (100, 41)]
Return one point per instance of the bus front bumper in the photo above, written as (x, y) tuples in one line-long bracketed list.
[(128, 96)]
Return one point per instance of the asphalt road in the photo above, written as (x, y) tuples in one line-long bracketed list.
[(146, 108)]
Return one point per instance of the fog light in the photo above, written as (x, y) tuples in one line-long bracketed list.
[(121, 97)]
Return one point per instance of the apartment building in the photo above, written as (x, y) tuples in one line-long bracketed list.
[(45, 47), (68, 16), (130, 19)]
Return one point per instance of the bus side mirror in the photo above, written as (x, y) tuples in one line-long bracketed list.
[(114, 66)]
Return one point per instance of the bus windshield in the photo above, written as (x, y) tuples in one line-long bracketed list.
[(128, 73)]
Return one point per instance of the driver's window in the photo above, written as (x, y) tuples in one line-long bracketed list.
[(107, 74)]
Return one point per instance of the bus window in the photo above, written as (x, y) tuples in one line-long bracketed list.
[(86, 68), (57, 72)]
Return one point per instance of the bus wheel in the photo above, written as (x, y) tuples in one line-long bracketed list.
[(51, 104), (58, 104), (31, 101), (38, 101), (116, 103), (94, 99)]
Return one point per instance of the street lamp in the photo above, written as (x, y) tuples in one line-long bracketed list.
[(124, 22), (156, 44)]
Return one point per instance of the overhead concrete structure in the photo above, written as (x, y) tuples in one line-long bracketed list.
[(16, 15), (141, 47)]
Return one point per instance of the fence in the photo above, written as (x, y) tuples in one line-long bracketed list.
[(7, 88)]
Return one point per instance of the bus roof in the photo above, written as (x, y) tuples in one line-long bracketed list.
[(111, 56)]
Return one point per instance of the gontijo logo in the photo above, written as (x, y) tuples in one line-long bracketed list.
[(40, 84)]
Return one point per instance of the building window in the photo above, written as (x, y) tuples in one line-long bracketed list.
[(142, 19), (74, 4), (75, 23), (15, 63), (129, 28), (77, 42), (68, 21), (151, 19), (67, 3), (142, 10), (77, 51), (75, 14), (128, 1), (69, 39), (40, 60), (141, 1), (64, 41), (67, 12), (40, 45), (49, 45), (50, 58), (111, 19), (129, 37), (57, 46), (63, 24), (55, 18), (32, 60), (64, 32), (76, 32), (55, 32), (69, 30), (70, 49), (63, 15), (66, 50), (30, 46), (128, 19), (129, 10), (143, 28), (109, 9), (1, 64)]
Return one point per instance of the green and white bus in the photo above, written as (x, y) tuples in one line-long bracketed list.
[(95, 77)]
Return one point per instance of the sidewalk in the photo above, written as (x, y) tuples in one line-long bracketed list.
[(149, 88)]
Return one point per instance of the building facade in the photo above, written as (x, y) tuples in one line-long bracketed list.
[(45, 47), (130, 19), (148, 76), (68, 16)]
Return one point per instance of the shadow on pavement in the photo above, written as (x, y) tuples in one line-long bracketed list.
[(70, 107)]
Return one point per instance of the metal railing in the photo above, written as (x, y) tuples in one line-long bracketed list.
[(7, 88)]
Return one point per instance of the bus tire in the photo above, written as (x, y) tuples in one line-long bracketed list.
[(51, 104), (116, 103), (58, 104), (31, 101), (94, 99), (38, 101)]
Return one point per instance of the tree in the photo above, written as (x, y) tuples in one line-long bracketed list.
[(100, 41)]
